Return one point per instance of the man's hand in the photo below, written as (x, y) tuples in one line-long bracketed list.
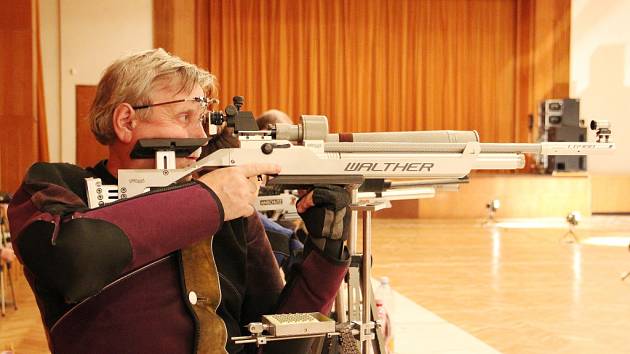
[(326, 217), (224, 139), (237, 187)]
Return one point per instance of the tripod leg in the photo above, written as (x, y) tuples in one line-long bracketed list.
[(575, 237), (354, 289), (2, 289), (12, 287), (356, 267), (570, 237), (340, 304)]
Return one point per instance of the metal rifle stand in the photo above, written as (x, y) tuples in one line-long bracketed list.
[(2, 307), (360, 279), (626, 274), (490, 220), (573, 219), (570, 236), (3, 243), (492, 208), (6, 269)]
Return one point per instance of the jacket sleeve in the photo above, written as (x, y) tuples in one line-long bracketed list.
[(76, 251), (264, 282), (313, 283), (311, 287)]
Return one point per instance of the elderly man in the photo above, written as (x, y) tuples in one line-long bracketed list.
[(175, 270), (271, 117)]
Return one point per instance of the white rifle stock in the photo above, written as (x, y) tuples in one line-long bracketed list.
[(283, 203), (308, 154)]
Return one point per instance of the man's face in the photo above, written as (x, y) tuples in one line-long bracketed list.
[(176, 120)]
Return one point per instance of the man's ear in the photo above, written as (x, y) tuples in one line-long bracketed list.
[(124, 121)]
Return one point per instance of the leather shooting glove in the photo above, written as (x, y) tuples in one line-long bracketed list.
[(223, 139), (326, 217)]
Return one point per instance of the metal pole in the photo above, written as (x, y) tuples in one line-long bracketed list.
[(366, 282), (11, 286), (351, 299), (354, 222), (2, 307), (341, 304)]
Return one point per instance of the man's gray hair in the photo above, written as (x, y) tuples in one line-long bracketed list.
[(272, 117), (132, 79)]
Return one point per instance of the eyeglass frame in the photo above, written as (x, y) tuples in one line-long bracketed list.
[(203, 101)]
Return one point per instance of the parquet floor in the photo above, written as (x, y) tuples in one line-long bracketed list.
[(520, 290), (21, 330)]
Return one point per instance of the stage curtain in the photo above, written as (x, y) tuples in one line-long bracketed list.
[(370, 65)]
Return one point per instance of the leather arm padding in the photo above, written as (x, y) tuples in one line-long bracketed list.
[(264, 282), (87, 255), (202, 277), (76, 251), (313, 284)]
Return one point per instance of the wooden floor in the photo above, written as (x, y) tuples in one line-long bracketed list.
[(21, 330), (520, 290)]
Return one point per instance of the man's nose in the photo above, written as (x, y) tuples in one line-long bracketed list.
[(199, 131)]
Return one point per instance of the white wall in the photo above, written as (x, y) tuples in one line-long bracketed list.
[(79, 40), (600, 54), (49, 38)]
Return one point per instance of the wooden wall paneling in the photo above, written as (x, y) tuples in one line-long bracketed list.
[(610, 194), (18, 98), (521, 196), (89, 150)]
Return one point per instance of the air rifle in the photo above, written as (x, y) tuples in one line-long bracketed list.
[(309, 154)]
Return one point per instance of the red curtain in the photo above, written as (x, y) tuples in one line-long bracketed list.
[(370, 65)]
